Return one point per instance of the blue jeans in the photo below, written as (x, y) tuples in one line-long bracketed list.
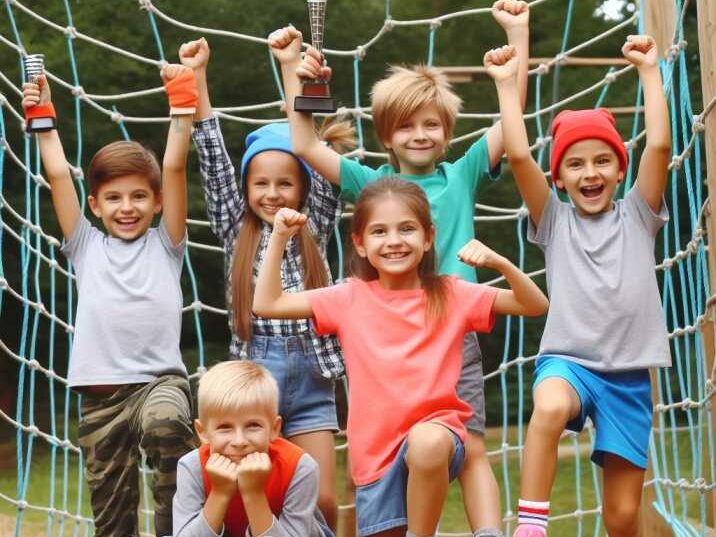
[(307, 401)]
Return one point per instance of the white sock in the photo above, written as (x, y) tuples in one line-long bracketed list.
[(535, 513)]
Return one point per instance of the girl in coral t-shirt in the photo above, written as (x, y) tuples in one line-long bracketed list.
[(401, 327)]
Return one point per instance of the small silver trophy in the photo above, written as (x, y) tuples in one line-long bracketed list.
[(34, 68), (316, 95)]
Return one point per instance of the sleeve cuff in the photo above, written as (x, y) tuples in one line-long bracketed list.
[(267, 533), (208, 527)]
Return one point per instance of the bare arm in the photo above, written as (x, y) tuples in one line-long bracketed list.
[(174, 195), (513, 16), (652, 177), (64, 195), (270, 300), (531, 181), (286, 47), (524, 296)]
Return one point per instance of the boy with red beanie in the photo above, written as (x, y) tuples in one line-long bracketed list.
[(599, 257)]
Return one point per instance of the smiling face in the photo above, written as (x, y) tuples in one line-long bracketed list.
[(419, 141), (394, 242), (238, 433), (126, 205), (274, 179), (590, 173)]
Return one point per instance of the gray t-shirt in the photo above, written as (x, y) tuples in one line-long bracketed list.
[(129, 306), (299, 517), (605, 311)]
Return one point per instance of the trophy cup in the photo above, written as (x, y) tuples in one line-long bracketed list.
[(316, 95), (34, 67)]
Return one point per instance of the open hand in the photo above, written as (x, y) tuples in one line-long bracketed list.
[(511, 13), (288, 222), (641, 50), (501, 63), (285, 44), (195, 54), (477, 255), (253, 471), (223, 475), (36, 93), (312, 66)]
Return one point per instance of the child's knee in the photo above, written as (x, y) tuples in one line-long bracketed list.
[(622, 519), (429, 447), (475, 450), (553, 410)]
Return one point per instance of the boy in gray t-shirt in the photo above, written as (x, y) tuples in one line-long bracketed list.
[(125, 357), (599, 256)]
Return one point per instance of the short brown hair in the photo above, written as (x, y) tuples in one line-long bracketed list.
[(403, 92), (123, 158)]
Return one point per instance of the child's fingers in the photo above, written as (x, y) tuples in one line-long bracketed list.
[(326, 73), (312, 52)]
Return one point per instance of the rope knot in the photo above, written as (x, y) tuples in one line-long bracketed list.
[(70, 31), (116, 117), (698, 124), (676, 162), (435, 23), (360, 53), (610, 78), (542, 69)]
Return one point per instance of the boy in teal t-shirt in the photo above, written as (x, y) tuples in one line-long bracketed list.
[(414, 111)]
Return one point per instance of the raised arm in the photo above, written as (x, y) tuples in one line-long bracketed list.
[(524, 297), (64, 195), (514, 17), (642, 52), (286, 47), (502, 66), (181, 90), (270, 300), (195, 55)]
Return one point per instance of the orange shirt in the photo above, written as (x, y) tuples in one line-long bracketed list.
[(401, 369), (284, 459)]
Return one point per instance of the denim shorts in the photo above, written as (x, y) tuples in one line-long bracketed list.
[(618, 403), (382, 505), (471, 386), (307, 400)]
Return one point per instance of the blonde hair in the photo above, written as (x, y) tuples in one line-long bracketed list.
[(235, 384), (412, 196), (340, 135), (406, 90)]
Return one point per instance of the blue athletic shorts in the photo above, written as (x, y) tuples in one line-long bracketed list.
[(619, 405), (307, 401), (382, 505)]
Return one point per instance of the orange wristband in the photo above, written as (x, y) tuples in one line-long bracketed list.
[(40, 110), (182, 93)]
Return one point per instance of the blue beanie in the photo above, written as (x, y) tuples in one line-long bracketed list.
[(271, 137)]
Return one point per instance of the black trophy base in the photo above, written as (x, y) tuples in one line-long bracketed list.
[(41, 124), (304, 103)]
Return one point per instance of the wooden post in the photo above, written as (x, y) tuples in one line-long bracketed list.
[(706, 11), (660, 22)]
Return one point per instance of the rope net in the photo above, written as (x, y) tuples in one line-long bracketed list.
[(42, 487)]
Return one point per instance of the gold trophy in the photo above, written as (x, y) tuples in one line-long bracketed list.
[(316, 95)]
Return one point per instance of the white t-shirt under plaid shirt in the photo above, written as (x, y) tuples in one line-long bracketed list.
[(226, 207)]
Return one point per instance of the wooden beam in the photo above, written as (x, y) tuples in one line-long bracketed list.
[(660, 22), (706, 11), (458, 74)]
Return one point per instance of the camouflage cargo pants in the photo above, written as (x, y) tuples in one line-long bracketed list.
[(155, 417)]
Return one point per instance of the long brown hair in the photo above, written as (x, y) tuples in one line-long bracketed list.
[(340, 133), (414, 198)]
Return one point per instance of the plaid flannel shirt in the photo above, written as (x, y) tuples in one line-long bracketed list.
[(226, 206)]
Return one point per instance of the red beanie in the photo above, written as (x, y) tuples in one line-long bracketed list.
[(571, 126)]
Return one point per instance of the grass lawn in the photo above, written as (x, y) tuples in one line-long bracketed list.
[(67, 495)]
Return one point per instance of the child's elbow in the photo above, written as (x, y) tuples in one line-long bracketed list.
[(539, 308)]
